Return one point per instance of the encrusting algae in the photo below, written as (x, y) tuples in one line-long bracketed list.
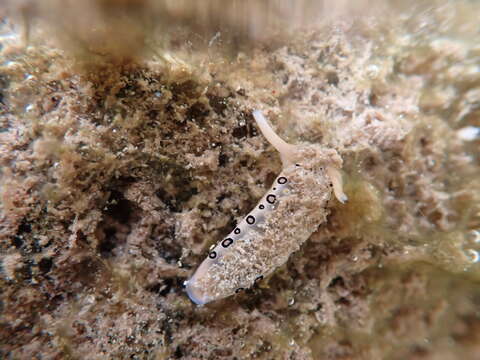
[(120, 169)]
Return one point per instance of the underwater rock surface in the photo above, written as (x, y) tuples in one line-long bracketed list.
[(117, 176)]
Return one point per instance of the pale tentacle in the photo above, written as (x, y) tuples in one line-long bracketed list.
[(285, 149)]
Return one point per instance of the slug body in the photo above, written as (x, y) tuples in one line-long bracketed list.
[(284, 218)]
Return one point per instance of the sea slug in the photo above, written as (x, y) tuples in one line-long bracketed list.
[(284, 218)]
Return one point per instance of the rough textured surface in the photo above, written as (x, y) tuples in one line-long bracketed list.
[(117, 177)]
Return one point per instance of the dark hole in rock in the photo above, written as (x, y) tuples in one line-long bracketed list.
[(45, 265), (109, 243), (24, 227), (373, 99), (197, 112), (222, 159), (118, 207), (240, 132), (178, 354), (17, 241), (218, 104)]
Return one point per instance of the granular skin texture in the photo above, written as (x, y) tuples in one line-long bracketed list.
[(117, 177), (299, 207)]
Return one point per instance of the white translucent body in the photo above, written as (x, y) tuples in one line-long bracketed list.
[(253, 249), (241, 232)]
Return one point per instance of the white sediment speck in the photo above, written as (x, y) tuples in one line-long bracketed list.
[(469, 133)]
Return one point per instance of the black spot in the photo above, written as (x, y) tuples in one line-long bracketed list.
[(212, 255), (45, 265), (261, 207), (238, 290), (274, 189), (282, 180), (271, 198), (236, 231), (227, 242), (250, 220), (297, 164)]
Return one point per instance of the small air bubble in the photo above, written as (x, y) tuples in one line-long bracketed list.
[(291, 342), (473, 255), (291, 302), (473, 236), (373, 71)]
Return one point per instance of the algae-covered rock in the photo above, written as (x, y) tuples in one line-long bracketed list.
[(128, 148)]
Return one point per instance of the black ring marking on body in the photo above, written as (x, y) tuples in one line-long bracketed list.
[(258, 278), (236, 231), (282, 180), (212, 255), (261, 206), (238, 290), (227, 242), (271, 198), (250, 220)]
